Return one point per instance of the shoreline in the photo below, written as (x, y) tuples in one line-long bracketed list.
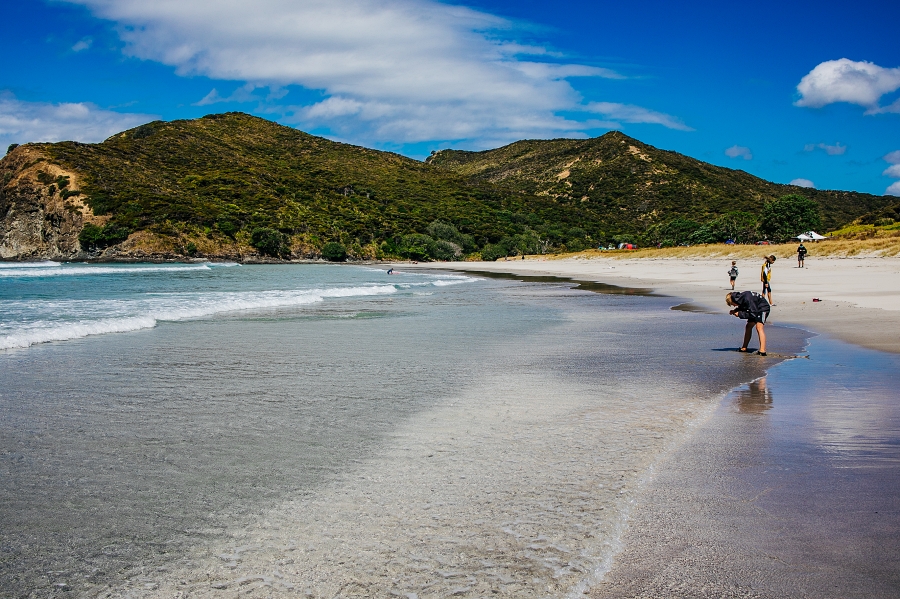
[(860, 297), (753, 503), (770, 497)]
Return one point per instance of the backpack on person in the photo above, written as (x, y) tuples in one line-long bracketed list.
[(759, 307)]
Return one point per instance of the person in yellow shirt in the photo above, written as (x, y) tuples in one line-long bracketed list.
[(766, 277)]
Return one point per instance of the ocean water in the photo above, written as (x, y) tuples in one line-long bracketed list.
[(333, 431)]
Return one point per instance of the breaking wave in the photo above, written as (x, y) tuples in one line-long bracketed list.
[(55, 269), (175, 307)]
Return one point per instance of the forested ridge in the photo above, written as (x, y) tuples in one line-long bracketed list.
[(233, 178)]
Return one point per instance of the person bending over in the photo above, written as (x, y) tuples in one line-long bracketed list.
[(753, 308)]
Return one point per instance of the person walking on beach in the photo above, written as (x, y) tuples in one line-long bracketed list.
[(766, 277), (801, 255), (733, 273), (753, 308)]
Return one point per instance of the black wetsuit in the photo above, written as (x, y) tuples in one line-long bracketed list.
[(751, 306)]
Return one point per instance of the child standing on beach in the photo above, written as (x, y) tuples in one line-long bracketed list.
[(766, 277), (733, 273), (801, 255)]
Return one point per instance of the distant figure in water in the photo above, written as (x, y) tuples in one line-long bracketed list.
[(801, 255), (753, 308), (390, 271), (733, 273)]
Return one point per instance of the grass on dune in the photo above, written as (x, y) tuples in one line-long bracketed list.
[(886, 244)]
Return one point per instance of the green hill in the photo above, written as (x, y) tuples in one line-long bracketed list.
[(233, 185), (632, 184)]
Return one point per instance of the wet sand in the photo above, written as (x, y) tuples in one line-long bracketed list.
[(792, 488), (860, 296)]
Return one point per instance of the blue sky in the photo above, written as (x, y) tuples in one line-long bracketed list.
[(804, 91)]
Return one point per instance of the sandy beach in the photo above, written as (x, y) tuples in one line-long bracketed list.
[(860, 297), (506, 439), (766, 499)]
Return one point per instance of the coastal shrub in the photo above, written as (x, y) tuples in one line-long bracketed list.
[(143, 131), (885, 216), (334, 251), (227, 226), (268, 242), (493, 252), (445, 250), (576, 245), (788, 216), (416, 246), (443, 231), (740, 227), (11, 148), (93, 237), (529, 242), (677, 231), (191, 248)]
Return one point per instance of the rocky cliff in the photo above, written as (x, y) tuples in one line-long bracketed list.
[(42, 210)]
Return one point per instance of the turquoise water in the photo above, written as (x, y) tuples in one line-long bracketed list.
[(49, 301), (333, 430)]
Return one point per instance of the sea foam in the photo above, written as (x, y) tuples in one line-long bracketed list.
[(176, 307), (44, 264), (54, 269)]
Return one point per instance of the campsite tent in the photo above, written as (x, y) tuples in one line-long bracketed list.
[(810, 236)]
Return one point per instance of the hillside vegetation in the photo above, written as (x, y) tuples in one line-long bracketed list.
[(633, 187), (231, 184)]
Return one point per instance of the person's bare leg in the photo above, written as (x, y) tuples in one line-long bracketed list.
[(761, 333), (748, 332)]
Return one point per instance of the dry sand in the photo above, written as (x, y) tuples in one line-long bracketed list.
[(860, 296)]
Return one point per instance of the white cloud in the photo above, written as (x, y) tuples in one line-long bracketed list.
[(83, 44), (802, 183), (893, 171), (835, 150), (893, 189), (739, 152), (629, 113), (862, 83), (241, 94), (22, 122), (390, 70), (893, 107)]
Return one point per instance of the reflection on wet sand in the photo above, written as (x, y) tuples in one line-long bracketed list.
[(756, 398)]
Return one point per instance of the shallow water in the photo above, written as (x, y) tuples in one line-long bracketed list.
[(791, 489), (428, 435)]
